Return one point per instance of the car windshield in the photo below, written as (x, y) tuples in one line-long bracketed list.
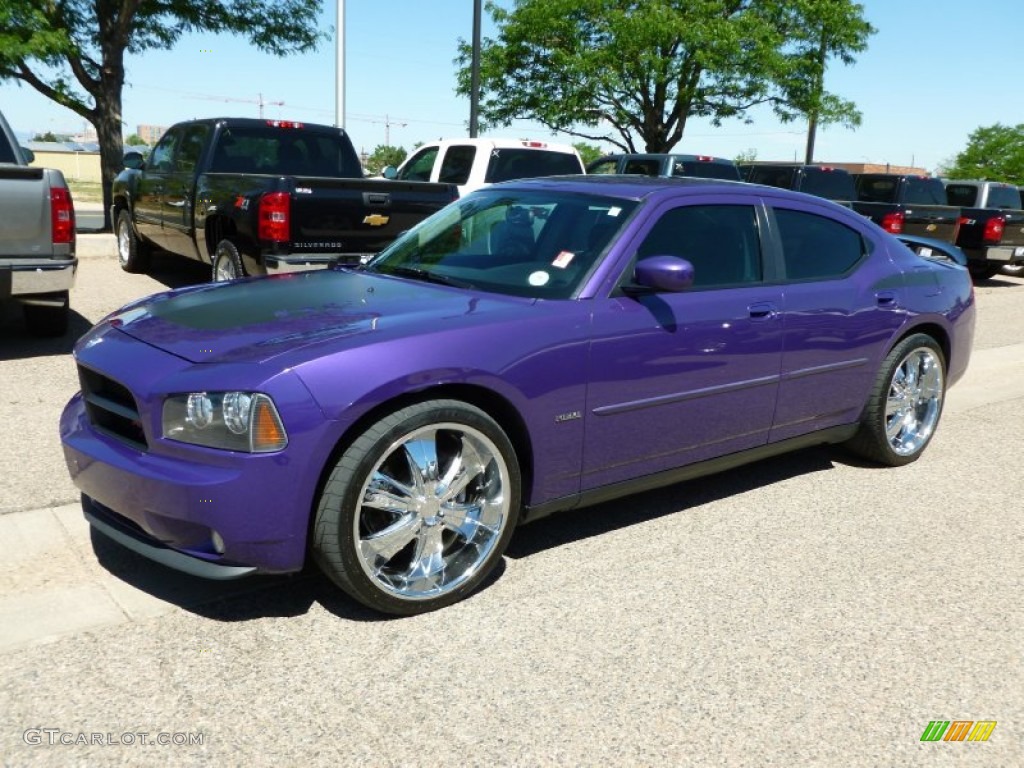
[(537, 244)]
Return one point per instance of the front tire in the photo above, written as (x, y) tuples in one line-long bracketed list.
[(418, 511), (133, 253), (905, 404), (227, 262)]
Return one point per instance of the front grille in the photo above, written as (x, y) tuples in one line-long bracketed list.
[(111, 408)]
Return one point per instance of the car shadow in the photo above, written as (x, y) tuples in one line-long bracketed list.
[(293, 595), (17, 343), (176, 271)]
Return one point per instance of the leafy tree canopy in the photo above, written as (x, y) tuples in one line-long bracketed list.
[(383, 156), (72, 51), (48, 136), (627, 70), (588, 152), (993, 153)]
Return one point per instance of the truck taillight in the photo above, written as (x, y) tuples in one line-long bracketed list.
[(893, 222), (275, 217), (62, 215), (283, 124), (994, 229)]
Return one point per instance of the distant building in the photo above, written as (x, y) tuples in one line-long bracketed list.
[(150, 133), (907, 170)]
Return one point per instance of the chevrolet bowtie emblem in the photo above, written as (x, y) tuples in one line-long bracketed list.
[(376, 220)]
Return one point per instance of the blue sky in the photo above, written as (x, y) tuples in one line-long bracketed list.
[(935, 71)]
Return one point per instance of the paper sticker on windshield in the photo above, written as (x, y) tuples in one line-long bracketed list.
[(539, 278), (563, 259), (614, 210)]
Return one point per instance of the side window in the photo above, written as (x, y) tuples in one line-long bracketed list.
[(162, 157), (420, 166), (191, 147), (817, 248), (604, 166), (456, 165), (721, 241)]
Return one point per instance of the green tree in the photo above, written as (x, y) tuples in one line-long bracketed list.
[(134, 141), (634, 71), (48, 136), (72, 51), (383, 156), (588, 152), (993, 153)]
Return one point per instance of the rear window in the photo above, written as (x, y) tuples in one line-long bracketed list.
[(876, 189), (508, 164), (961, 195), (924, 191), (706, 169), (830, 184), (1003, 197), (772, 177), (288, 152)]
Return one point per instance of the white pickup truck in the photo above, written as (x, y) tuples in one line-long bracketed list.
[(37, 238), (474, 163)]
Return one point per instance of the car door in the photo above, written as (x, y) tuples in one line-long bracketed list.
[(179, 191), (839, 310), (682, 377), (149, 195)]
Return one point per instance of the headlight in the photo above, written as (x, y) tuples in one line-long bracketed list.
[(233, 421)]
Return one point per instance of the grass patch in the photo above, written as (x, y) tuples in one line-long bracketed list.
[(86, 191)]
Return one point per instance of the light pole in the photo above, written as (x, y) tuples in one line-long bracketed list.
[(339, 103), (474, 82)]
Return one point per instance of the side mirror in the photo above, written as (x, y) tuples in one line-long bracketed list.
[(389, 172), (28, 154), (134, 160), (664, 273)]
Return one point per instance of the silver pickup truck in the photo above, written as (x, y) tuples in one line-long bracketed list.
[(37, 238)]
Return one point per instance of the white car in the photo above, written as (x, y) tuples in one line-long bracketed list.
[(474, 163)]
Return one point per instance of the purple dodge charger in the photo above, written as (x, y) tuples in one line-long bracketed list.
[(534, 347)]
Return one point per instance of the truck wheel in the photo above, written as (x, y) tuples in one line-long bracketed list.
[(132, 252), (419, 509), (982, 270), (227, 262), (905, 404), (1017, 270), (47, 320)]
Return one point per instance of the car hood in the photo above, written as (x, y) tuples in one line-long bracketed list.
[(255, 320)]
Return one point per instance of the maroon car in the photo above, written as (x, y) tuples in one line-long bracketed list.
[(537, 346)]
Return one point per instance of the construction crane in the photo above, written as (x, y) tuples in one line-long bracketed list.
[(259, 100)]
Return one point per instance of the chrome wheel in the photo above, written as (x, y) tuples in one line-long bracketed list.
[(123, 241), (227, 262), (432, 510), (914, 401), (419, 508)]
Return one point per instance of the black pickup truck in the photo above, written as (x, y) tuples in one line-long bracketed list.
[(903, 204), (253, 197), (991, 225), (819, 180)]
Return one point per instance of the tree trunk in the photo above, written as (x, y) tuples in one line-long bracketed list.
[(107, 121)]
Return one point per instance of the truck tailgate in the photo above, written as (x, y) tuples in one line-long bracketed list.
[(24, 211), (359, 216)]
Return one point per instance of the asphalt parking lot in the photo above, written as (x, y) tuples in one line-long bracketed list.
[(807, 610)]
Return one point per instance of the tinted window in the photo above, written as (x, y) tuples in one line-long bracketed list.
[(508, 164), (962, 195), (457, 163), (815, 247), (923, 191), (420, 165), (772, 177), (705, 169), (645, 167), (191, 147), (721, 241), (828, 183), (285, 151), (876, 189), (604, 166), (6, 151), (1003, 197)]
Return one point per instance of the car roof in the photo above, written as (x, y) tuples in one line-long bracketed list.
[(506, 144)]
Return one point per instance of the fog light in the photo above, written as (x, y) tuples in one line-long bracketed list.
[(218, 543)]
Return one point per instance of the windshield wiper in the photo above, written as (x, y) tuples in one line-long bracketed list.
[(416, 273)]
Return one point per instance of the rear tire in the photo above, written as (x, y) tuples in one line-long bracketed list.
[(227, 262), (982, 270), (905, 404), (133, 252), (47, 320), (1017, 270)]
